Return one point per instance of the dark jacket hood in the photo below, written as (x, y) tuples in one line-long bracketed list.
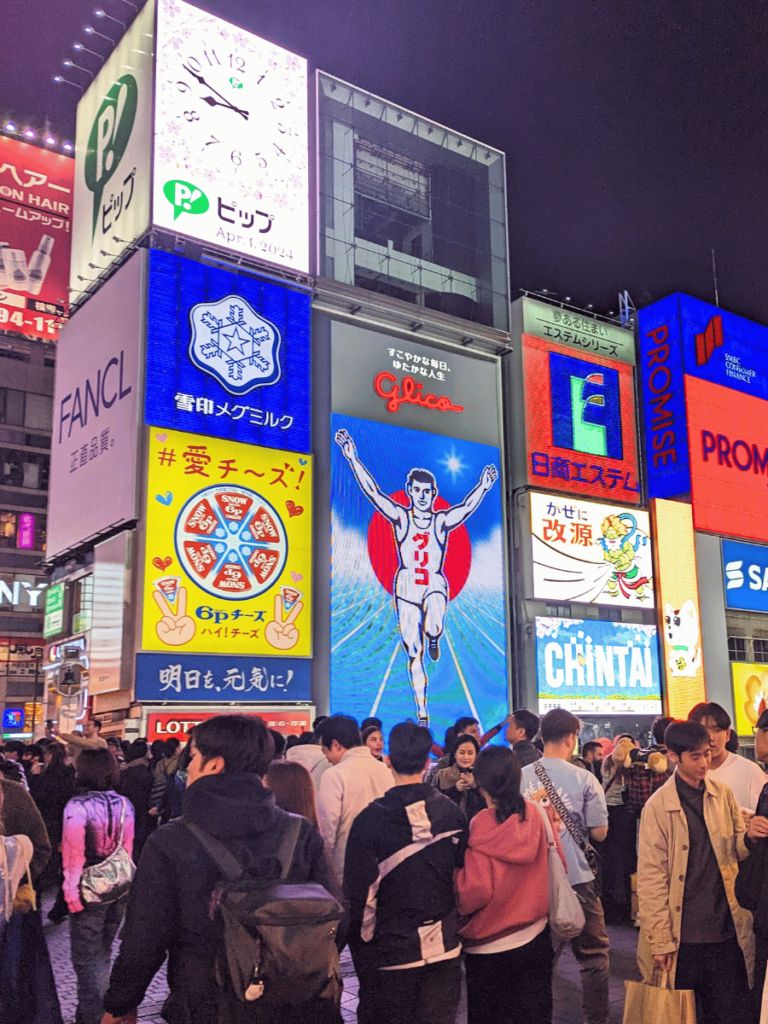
[(230, 806)]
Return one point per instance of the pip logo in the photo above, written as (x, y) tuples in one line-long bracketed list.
[(234, 344), (586, 411), (734, 575), (109, 138), (709, 339)]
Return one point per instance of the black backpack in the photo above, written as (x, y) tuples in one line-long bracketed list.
[(276, 939)]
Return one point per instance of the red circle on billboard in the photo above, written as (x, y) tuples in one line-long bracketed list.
[(382, 549)]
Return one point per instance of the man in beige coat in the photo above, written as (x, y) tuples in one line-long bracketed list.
[(692, 837)]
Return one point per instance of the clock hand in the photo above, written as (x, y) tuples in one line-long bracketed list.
[(210, 100), (223, 103)]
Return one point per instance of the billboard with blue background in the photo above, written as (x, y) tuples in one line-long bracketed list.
[(418, 608), (227, 354), (190, 678), (745, 569), (681, 335), (591, 665)]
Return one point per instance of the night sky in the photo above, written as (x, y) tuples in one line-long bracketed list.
[(636, 134)]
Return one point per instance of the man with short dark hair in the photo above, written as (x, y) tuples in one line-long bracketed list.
[(354, 779), (169, 904), (691, 839), (592, 754), (401, 855), (745, 778), (581, 797), (89, 739), (522, 727)]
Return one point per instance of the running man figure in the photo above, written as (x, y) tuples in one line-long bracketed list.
[(421, 536)]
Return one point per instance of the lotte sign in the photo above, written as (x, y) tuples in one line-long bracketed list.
[(179, 724)]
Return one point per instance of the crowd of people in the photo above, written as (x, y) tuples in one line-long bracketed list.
[(423, 860)]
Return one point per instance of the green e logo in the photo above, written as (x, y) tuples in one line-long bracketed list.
[(109, 138)]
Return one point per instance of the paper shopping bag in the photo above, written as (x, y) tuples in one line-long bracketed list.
[(651, 1004)]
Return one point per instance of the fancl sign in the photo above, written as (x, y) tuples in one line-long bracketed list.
[(745, 569), (598, 666)]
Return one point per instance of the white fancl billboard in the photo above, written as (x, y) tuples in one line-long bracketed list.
[(231, 143), (112, 157), (95, 412)]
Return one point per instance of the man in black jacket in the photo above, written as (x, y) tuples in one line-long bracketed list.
[(520, 732), (168, 907), (398, 880)]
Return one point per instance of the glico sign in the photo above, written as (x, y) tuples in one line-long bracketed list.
[(410, 392)]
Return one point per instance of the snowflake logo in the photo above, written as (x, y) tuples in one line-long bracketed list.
[(232, 343)]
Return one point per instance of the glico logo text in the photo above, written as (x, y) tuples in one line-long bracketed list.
[(410, 392)]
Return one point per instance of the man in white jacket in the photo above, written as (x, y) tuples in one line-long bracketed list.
[(312, 757), (354, 780)]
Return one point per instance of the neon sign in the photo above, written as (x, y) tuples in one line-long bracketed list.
[(412, 394)]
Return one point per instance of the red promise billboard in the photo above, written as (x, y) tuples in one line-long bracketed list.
[(35, 221), (728, 442)]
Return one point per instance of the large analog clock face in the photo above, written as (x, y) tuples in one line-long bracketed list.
[(230, 138)]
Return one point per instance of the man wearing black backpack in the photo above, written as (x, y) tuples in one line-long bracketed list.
[(183, 874), (401, 856)]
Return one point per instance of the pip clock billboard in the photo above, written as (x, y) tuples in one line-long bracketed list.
[(579, 422), (227, 354), (230, 137), (227, 562)]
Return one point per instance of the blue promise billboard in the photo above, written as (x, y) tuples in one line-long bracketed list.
[(227, 354)]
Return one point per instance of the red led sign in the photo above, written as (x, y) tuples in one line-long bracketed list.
[(728, 443), (579, 422)]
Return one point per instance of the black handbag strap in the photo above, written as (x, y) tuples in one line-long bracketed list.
[(562, 810), (230, 866)]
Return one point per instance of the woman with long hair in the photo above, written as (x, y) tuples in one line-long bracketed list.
[(504, 885), (95, 822), (457, 781), (373, 738), (52, 787), (292, 786)]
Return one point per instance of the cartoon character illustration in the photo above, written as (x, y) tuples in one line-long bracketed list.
[(175, 628), (681, 628), (620, 549), (756, 692), (421, 538), (281, 633)]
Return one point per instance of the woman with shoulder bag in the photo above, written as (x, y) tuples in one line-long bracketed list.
[(97, 844), (504, 885)]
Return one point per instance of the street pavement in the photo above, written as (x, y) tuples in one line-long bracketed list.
[(567, 986)]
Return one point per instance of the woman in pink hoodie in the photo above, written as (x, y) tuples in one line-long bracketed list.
[(504, 886)]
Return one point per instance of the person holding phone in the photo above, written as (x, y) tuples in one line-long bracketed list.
[(457, 781)]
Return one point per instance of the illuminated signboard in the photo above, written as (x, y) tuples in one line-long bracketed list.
[(418, 620), (728, 443), (112, 166), (227, 354), (230, 149), (577, 330), (745, 567), (54, 610), (378, 377), (228, 551), (95, 411), (589, 553), (680, 335), (590, 665), (205, 677), (13, 718), (26, 534), (677, 591), (580, 422), (164, 724), (750, 695), (35, 225)]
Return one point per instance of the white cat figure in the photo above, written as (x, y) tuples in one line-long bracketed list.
[(681, 627)]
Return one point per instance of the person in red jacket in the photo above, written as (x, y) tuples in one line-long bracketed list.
[(504, 885)]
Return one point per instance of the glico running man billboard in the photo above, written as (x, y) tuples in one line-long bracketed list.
[(417, 598)]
